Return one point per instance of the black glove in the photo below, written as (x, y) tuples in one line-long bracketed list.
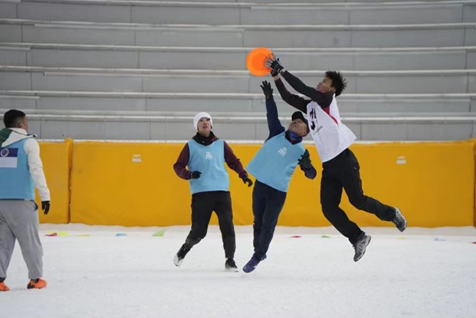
[(305, 161), (45, 206), (196, 174), (274, 64), (247, 180), (273, 72), (267, 90)]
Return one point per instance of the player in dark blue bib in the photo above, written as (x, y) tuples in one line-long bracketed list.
[(273, 167)]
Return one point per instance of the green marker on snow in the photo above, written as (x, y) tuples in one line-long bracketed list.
[(160, 233)]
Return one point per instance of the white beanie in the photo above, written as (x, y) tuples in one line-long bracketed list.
[(200, 116)]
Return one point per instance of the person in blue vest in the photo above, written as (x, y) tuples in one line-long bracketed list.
[(21, 170), (205, 155), (273, 167)]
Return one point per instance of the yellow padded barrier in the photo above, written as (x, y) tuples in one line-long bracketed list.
[(133, 184), (56, 158), (474, 206), (431, 183)]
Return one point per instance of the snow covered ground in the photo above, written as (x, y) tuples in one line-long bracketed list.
[(422, 273)]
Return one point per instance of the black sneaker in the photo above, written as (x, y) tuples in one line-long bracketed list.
[(178, 259), (399, 220), (360, 246), (251, 265), (230, 265)]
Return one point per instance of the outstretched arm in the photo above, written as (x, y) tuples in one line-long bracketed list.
[(323, 99), (294, 100), (274, 125)]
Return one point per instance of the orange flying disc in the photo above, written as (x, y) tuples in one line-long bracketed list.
[(256, 59)]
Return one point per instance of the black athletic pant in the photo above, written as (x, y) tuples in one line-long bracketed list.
[(267, 205), (203, 204), (342, 172)]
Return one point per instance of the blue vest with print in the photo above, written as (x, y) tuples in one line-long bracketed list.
[(210, 161), (15, 177), (275, 162)]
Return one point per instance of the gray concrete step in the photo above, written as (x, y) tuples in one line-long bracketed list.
[(254, 2), (170, 81), (284, 36), (241, 13), (230, 103), (216, 58)]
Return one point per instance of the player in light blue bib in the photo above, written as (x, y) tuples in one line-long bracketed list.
[(273, 167), (205, 156), (21, 170)]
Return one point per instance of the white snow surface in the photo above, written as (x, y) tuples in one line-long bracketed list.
[(420, 273)]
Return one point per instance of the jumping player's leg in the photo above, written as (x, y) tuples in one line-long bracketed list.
[(331, 193), (274, 205), (267, 205), (259, 206)]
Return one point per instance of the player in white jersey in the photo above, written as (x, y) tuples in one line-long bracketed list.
[(340, 166)]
